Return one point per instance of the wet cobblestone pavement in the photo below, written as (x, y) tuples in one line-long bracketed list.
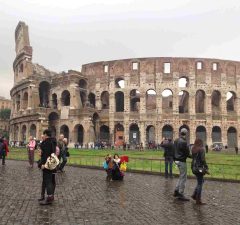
[(84, 197)]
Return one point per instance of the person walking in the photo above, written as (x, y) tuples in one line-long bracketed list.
[(181, 153), (199, 168), (48, 146), (30, 148), (60, 145), (236, 149), (167, 145), (64, 154)]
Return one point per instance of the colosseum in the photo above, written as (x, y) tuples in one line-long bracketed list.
[(135, 101)]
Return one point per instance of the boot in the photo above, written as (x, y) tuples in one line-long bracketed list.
[(41, 199), (199, 201), (194, 195), (48, 200)]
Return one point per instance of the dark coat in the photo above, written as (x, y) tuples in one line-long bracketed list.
[(168, 149), (181, 150), (48, 147)]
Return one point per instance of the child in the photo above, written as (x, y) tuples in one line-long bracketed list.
[(116, 173), (108, 165)]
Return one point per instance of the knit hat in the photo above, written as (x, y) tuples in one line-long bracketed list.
[(183, 131)]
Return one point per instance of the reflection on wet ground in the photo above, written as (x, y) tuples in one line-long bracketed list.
[(83, 196)]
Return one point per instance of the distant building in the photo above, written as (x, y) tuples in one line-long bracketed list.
[(130, 101), (4, 123)]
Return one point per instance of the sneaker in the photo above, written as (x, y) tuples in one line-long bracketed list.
[(181, 197), (176, 193), (41, 199), (47, 201)]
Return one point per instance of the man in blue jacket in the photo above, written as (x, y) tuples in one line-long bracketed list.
[(181, 153)]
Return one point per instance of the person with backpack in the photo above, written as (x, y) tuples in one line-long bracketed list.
[(199, 168), (181, 153), (31, 148), (167, 145), (48, 146), (2, 151)]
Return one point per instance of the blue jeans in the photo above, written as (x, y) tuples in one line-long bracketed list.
[(64, 158), (198, 189), (168, 163), (180, 187)]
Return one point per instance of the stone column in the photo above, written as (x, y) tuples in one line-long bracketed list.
[(142, 134)]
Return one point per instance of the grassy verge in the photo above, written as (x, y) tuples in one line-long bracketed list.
[(222, 165)]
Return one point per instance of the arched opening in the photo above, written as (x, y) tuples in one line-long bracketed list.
[(44, 91), (201, 134), (53, 119), (65, 98), (83, 84), (183, 102), (79, 134), (104, 134), (167, 101), (105, 100), (183, 82), (119, 134), (33, 130), (25, 100), (91, 99), (16, 132), (232, 140), (188, 133), (134, 100), (200, 101), (231, 99), (24, 132), (151, 99), (65, 131), (134, 135), (54, 101), (83, 96), (216, 102), (119, 83), (150, 135), (119, 101), (216, 134), (167, 132)]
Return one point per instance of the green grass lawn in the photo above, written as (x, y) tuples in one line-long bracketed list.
[(222, 165)]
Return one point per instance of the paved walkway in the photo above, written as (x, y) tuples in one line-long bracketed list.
[(84, 197)]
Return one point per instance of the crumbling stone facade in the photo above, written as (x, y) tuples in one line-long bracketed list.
[(131, 100)]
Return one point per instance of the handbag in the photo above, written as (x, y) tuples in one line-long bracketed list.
[(52, 162), (105, 165), (123, 166), (197, 167)]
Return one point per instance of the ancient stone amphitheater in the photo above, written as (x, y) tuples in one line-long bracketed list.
[(130, 100)]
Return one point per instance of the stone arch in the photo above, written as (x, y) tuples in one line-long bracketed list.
[(216, 102), (200, 98), (134, 100), (24, 133), (25, 100), (167, 131), (53, 119), (105, 100), (54, 101), (65, 97), (151, 99), (216, 134), (188, 133), (150, 134), (18, 101), (231, 101), (33, 130), (232, 137), (65, 131), (119, 101), (119, 134), (134, 135), (183, 82), (201, 133), (119, 82), (104, 134), (44, 92), (167, 101), (79, 134), (183, 102), (16, 132), (83, 84), (92, 100)]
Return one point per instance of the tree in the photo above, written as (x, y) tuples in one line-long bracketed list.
[(5, 114)]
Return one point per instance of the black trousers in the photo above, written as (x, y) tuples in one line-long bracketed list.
[(2, 156), (48, 182)]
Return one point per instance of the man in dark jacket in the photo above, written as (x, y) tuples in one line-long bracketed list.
[(168, 156), (48, 146), (181, 153)]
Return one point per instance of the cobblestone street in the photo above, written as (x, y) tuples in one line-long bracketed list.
[(84, 197)]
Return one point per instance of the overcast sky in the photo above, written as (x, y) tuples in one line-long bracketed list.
[(65, 34)]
